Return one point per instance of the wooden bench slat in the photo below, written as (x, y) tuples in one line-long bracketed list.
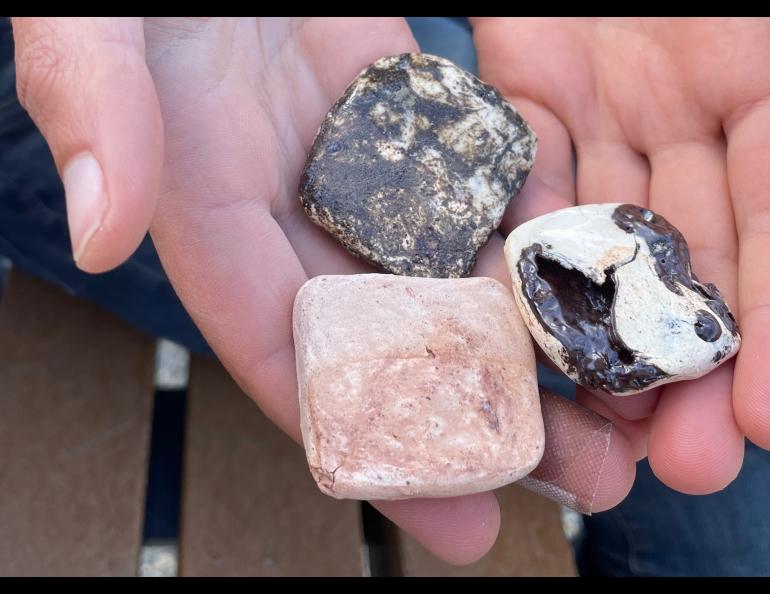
[(76, 389), (249, 504), (531, 543)]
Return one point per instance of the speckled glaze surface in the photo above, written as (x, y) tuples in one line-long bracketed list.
[(415, 387), (608, 292), (414, 166)]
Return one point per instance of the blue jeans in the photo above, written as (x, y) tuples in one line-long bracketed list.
[(655, 531)]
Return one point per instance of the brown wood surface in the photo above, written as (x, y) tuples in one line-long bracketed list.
[(531, 543), (76, 390), (249, 504), (75, 406)]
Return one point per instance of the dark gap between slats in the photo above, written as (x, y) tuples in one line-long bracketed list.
[(381, 537), (164, 475)]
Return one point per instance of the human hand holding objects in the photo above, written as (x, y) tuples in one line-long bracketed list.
[(219, 115)]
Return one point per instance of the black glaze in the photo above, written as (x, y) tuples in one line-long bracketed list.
[(666, 243), (707, 328), (367, 201), (718, 306), (672, 264), (578, 313)]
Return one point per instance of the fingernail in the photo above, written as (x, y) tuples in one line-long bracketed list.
[(87, 201)]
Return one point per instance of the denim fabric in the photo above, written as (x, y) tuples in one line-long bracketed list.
[(448, 37), (655, 531), (659, 532)]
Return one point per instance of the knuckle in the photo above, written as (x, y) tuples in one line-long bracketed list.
[(41, 62)]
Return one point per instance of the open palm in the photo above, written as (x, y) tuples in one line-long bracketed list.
[(671, 114), (241, 103)]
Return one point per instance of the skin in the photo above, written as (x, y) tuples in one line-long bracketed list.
[(201, 128)]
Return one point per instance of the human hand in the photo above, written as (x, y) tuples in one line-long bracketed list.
[(671, 114), (200, 127)]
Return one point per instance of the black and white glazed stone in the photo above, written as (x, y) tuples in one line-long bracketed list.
[(413, 167), (608, 292)]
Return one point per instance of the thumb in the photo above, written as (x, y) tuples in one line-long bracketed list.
[(85, 83)]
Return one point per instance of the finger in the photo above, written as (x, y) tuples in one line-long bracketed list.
[(748, 142), (694, 446), (689, 188), (86, 85), (636, 432), (460, 530), (610, 171)]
